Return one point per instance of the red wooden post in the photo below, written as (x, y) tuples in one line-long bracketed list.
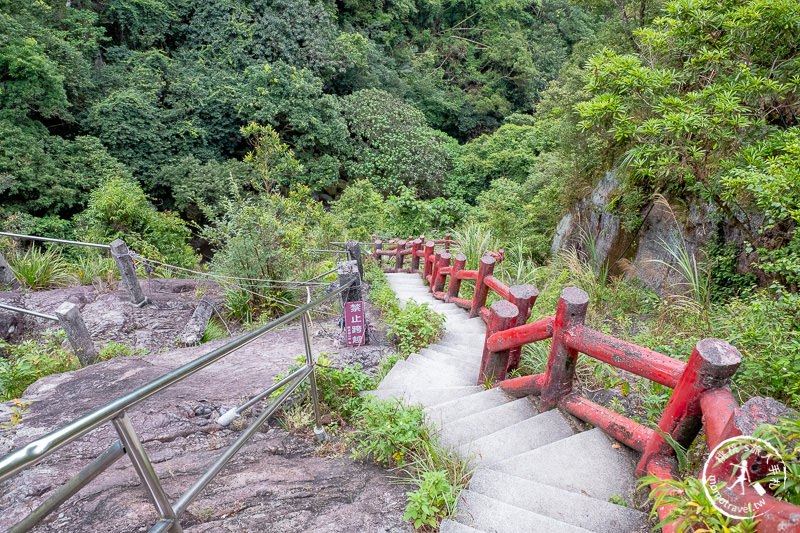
[(428, 267), (438, 282), (571, 312), (398, 256), (435, 266), (493, 364), (481, 290), (523, 296), (455, 283), (416, 244), (376, 253), (447, 243), (710, 367)]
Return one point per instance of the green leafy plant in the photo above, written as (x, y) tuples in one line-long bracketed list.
[(18, 410), (92, 267), (388, 432), (41, 269), (692, 510), (119, 349), (30, 360), (414, 326), (431, 501), (785, 438)]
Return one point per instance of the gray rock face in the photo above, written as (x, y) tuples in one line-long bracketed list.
[(109, 316), (277, 483)]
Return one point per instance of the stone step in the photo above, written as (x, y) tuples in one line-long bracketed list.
[(467, 359), (457, 351), (529, 434), (468, 373), (451, 526), (458, 408), (570, 507), (424, 397), (461, 339), (589, 463), (409, 376), (472, 427), (489, 514)]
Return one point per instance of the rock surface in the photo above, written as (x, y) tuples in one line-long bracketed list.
[(108, 314), (277, 482)]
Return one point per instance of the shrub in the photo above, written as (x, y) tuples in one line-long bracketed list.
[(119, 209), (414, 326), (31, 360), (93, 267), (37, 269), (119, 349)]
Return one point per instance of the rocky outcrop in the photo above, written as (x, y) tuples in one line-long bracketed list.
[(108, 314), (642, 253), (277, 483)]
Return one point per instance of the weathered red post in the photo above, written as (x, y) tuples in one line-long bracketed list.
[(398, 256), (523, 296), (416, 244), (493, 364), (377, 252), (447, 243), (435, 266), (428, 267), (571, 312), (710, 367), (438, 282), (481, 290), (455, 283)]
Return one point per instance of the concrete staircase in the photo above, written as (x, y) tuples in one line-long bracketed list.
[(534, 472)]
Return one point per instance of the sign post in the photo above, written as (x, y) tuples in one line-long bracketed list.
[(354, 323)]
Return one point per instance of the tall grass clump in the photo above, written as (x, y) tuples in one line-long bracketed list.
[(92, 268), (41, 269), (474, 240)]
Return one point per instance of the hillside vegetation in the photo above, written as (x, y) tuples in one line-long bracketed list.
[(244, 133)]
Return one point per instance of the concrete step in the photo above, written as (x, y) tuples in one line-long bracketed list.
[(424, 397), (467, 359), (570, 507), (521, 437), (461, 339), (405, 375), (472, 427), (489, 514), (451, 526), (458, 408), (457, 351), (468, 373), (589, 463)]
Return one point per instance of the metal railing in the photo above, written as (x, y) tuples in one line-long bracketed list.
[(48, 239), (28, 312), (129, 443)]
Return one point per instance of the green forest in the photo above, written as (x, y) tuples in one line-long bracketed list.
[(236, 136)]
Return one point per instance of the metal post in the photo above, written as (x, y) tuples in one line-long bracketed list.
[(571, 312), (70, 319), (481, 290), (398, 260), (128, 272), (523, 296), (354, 254), (319, 431), (455, 283), (493, 364), (438, 282), (428, 267), (141, 463), (710, 367)]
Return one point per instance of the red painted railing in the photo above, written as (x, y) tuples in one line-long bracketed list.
[(701, 387)]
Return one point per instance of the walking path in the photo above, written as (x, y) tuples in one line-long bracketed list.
[(535, 472)]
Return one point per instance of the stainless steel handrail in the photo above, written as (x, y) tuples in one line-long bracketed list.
[(28, 312), (48, 239), (129, 443), (25, 456)]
